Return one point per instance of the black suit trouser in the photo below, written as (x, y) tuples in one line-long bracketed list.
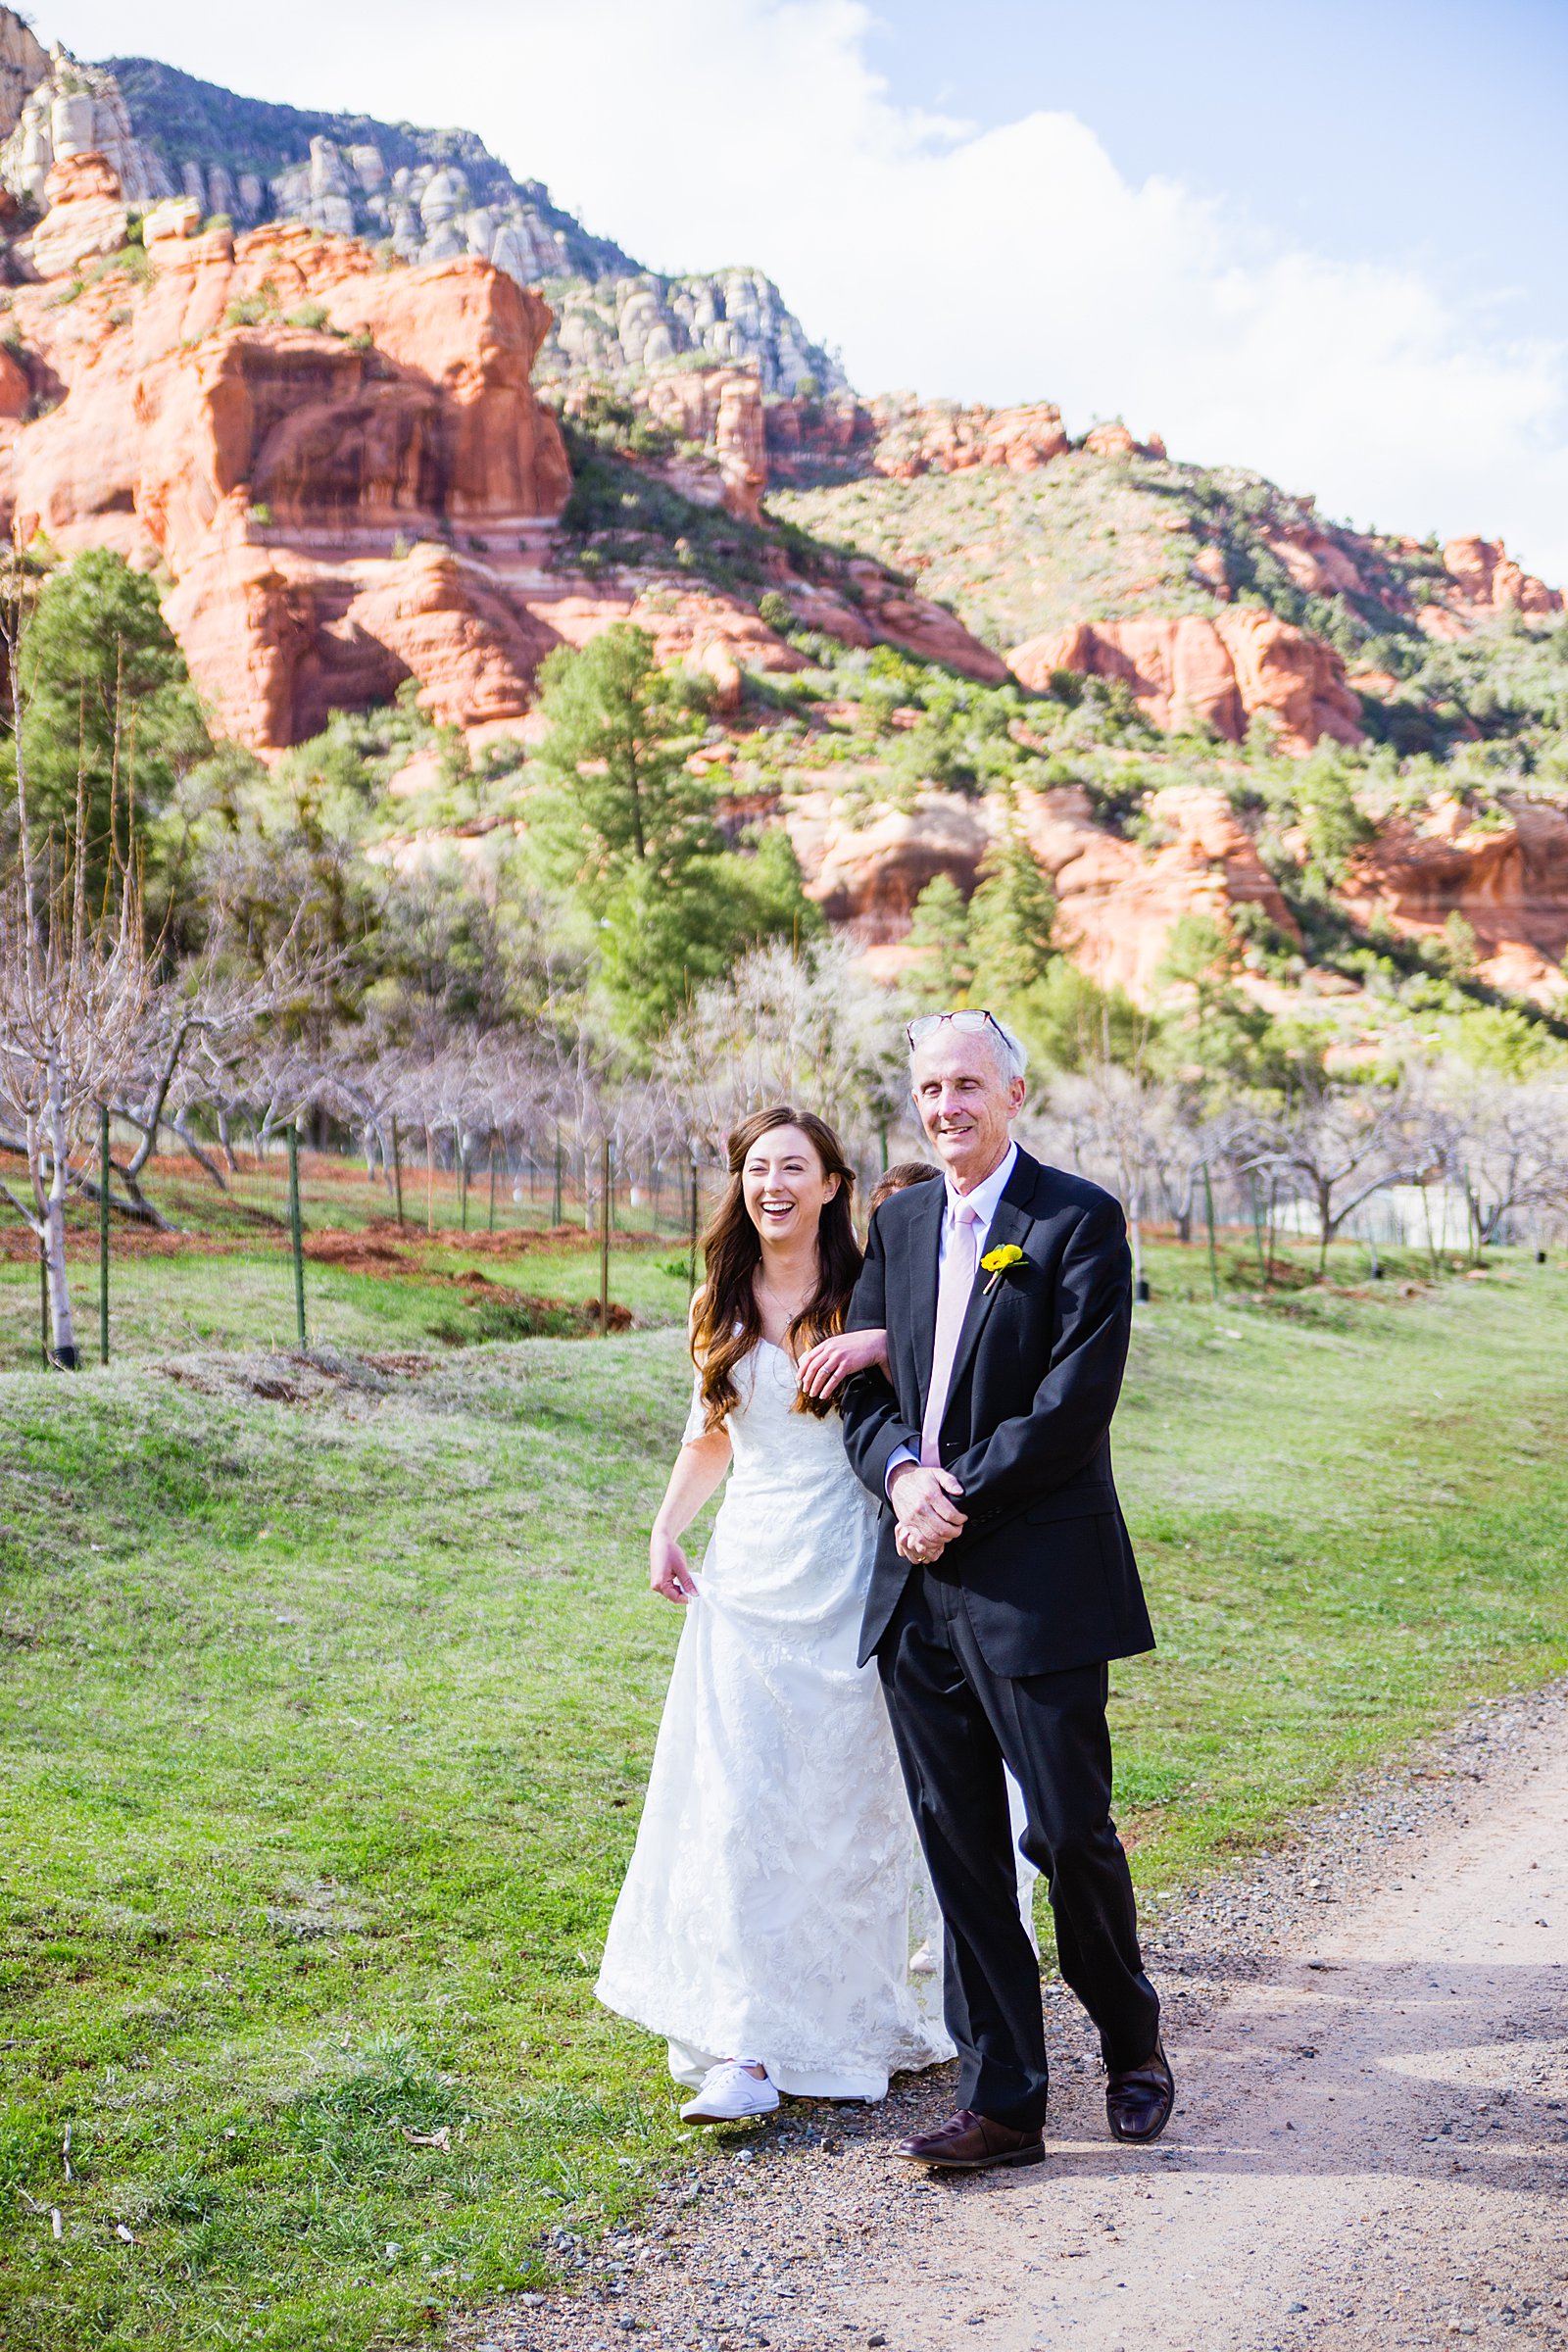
[(955, 1723)]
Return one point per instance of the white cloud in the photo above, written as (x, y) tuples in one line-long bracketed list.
[(1017, 263), (996, 265)]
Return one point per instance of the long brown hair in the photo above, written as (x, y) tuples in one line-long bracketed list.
[(726, 1320)]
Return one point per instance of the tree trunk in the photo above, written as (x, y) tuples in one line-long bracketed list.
[(62, 1326)]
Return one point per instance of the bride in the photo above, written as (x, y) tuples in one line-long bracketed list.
[(765, 1926)]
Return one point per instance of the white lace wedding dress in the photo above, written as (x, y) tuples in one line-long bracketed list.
[(776, 1887)]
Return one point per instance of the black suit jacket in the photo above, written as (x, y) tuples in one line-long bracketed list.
[(1045, 1561)]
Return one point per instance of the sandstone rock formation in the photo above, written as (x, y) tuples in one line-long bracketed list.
[(1220, 669), (721, 407), (427, 196), (1115, 440), (1509, 883), (343, 501), (1116, 901), (809, 433), (868, 874), (1488, 581), (940, 437), (85, 215), (1318, 564)]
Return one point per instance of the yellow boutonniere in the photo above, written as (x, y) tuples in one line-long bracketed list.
[(997, 1262)]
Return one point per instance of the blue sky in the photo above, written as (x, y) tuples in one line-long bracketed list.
[(1324, 242), (1432, 133)]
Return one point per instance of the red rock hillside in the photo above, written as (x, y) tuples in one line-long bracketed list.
[(343, 472), (346, 473), (343, 467), (1220, 670)]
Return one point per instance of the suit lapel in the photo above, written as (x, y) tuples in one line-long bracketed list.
[(1011, 1223), (923, 1270)]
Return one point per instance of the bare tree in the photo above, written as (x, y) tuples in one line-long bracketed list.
[(1505, 1143), (1110, 1122), (783, 1026), (1336, 1142), (75, 981)]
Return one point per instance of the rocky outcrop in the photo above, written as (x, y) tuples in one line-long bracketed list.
[(868, 872), (1487, 582), (1219, 668), (23, 64), (623, 329), (1508, 882), (448, 622), (869, 607), (941, 438), (1317, 562), (343, 467), (66, 111), (426, 196), (85, 217), (1115, 440), (803, 436), (1116, 899), (720, 409)]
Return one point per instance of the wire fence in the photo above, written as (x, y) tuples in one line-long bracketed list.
[(307, 1242), (433, 1239)]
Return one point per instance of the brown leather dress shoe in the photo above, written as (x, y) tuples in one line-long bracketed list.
[(1139, 2102), (972, 2143)]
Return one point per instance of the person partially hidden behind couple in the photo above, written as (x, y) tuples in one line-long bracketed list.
[(960, 1527)]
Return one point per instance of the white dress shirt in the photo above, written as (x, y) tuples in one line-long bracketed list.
[(982, 1198)]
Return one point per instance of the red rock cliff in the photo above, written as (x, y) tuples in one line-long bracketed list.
[(1219, 667), (343, 466)]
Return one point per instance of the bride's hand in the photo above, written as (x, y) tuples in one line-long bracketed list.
[(823, 1367), (668, 1569)]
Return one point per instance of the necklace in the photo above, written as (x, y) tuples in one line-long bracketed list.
[(788, 1313)]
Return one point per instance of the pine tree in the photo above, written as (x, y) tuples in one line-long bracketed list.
[(632, 833), (940, 929), (105, 694), (1010, 919), (620, 732)]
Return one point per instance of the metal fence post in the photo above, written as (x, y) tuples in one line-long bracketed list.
[(1213, 1254), (103, 1235), (296, 1237), (691, 1269), (604, 1237)]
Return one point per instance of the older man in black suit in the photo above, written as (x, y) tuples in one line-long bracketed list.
[(1004, 1582)]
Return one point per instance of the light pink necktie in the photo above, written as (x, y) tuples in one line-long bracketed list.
[(952, 1299)]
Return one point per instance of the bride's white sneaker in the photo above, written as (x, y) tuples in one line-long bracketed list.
[(730, 2092)]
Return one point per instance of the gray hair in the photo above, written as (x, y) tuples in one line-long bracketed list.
[(1010, 1053)]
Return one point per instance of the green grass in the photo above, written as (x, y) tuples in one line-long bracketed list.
[(326, 1726)]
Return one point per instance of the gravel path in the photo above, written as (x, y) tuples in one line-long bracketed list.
[(1370, 2144)]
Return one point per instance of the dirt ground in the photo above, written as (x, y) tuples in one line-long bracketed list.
[(1371, 2038)]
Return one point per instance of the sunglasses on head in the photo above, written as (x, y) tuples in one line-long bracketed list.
[(968, 1024)]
